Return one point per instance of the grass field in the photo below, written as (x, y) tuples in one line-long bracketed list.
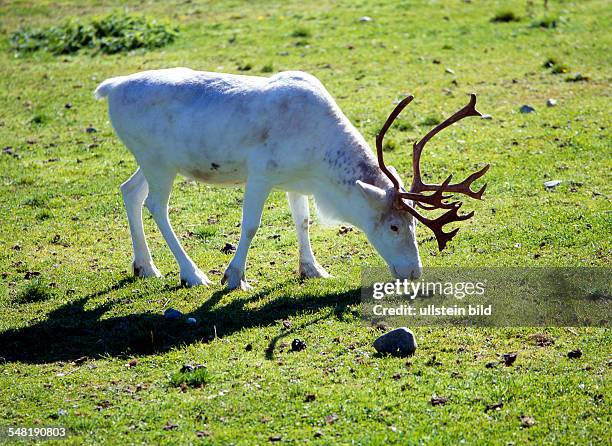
[(85, 346)]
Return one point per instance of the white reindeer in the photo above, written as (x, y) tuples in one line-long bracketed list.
[(283, 132)]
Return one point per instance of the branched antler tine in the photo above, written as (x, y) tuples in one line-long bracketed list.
[(436, 225), (379, 139), (417, 183), (435, 200), (465, 187)]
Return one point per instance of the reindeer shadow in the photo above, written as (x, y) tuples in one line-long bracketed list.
[(72, 331)]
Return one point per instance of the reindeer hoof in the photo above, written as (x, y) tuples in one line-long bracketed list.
[(234, 279), (145, 270), (312, 270), (194, 278)]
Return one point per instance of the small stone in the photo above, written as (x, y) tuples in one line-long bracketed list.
[(298, 345), (191, 321), (527, 109), (91, 129), (172, 314), (365, 18), (552, 183), (574, 354), (551, 102), (527, 420), (398, 342), (488, 117), (449, 71)]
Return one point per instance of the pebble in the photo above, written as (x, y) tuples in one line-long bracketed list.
[(172, 314), (398, 342), (527, 109), (551, 102), (365, 18), (552, 183), (450, 71)]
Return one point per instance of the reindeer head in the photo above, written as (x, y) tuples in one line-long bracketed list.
[(397, 243)]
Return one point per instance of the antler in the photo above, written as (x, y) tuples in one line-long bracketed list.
[(437, 199), (381, 136), (464, 186)]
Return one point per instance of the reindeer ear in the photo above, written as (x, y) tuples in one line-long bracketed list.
[(375, 195)]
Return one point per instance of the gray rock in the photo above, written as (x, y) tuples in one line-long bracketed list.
[(172, 314), (450, 71), (398, 342), (551, 102), (552, 183), (527, 109), (365, 18)]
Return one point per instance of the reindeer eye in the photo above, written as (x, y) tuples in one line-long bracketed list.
[(394, 228)]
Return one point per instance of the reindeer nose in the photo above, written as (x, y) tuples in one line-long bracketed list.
[(410, 272)]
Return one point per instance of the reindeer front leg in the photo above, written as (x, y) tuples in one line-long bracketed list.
[(255, 195), (308, 267)]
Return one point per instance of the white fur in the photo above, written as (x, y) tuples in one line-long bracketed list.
[(283, 132)]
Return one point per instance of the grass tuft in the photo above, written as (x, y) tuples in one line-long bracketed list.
[(45, 214), (548, 22), (505, 16), (34, 291), (390, 145), (112, 34), (301, 33), (555, 65), (38, 118), (431, 120), (205, 232), (267, 68), (402, 126), (198, 377)]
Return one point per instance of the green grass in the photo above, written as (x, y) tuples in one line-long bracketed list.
[(66, 357)]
